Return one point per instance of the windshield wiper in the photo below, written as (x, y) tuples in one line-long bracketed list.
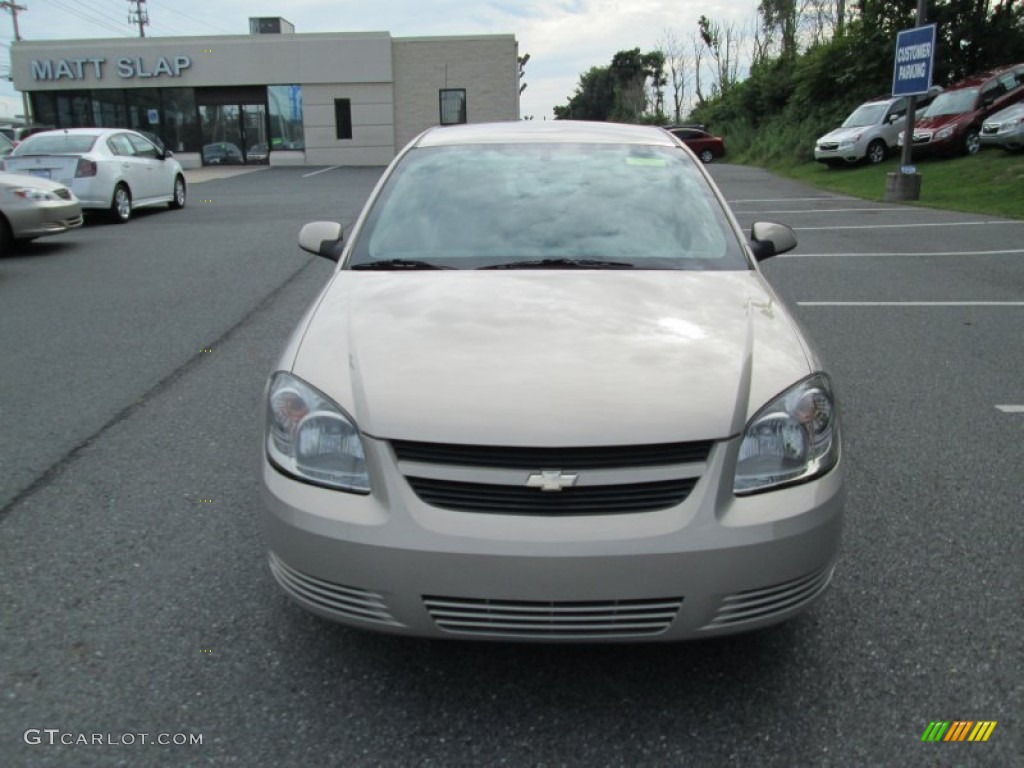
[(389, 264), (563, 264)]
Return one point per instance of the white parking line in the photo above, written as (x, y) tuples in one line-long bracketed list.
[(911, 303), (1011, 408), (910, 226), (322, 170), (792, 199), (893, 209), (893, 254)]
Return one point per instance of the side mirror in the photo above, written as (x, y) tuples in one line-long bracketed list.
[(322, 238), (769, 239), (168, 153)]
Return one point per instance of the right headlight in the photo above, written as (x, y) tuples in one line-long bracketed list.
[(792, 439), (310, 437)]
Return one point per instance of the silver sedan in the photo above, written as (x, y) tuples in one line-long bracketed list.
[(31, 208), (547, 395)]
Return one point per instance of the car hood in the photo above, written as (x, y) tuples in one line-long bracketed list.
[(842, 134), (1010, 113), (939, 121), (25, 180), (548, 358)]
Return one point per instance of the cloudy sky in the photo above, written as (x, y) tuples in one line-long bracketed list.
[(563, 37)]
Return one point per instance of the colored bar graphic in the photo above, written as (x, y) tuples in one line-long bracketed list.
[(958, 730), (935, 730), (982, 730)]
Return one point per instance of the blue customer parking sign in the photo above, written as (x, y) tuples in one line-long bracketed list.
[(915, 52)]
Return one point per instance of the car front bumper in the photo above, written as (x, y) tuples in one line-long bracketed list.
[(49, 218), (834, 153), (714, 564), (1008, 137)]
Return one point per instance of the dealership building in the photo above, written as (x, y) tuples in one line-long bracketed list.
[(272, 96)]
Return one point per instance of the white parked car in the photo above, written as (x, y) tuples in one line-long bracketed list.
[(109, 169), (1005, 128), (869, 133)]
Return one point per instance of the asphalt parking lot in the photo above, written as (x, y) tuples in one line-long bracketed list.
[(136, 597)]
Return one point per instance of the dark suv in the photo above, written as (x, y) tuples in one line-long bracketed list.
[(952, 123)]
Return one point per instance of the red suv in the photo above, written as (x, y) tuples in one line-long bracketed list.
[(952, 123)]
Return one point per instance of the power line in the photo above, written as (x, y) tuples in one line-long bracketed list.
[(99, 20), (193, 18)]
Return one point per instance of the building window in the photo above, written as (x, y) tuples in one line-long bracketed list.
[(285, 102), (343, 118), (453, 105)]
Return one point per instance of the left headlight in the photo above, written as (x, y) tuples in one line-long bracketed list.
[(312, 438), (945, 133), (792, 439), (32, 193)]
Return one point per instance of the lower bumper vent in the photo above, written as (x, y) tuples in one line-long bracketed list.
[(345, 602), (567, 620), (759, 604)]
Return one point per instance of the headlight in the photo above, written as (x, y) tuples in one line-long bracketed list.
[(945, 133), (31, 193), (310, 437), (899, 138), (792, 439)]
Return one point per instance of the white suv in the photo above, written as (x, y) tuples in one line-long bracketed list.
[(867, 134)]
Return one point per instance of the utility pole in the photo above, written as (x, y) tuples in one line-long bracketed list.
[(14, 8), (139, 16)]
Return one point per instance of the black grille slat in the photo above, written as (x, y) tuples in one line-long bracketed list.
[(573, 619), (566, 459), (579, 500)]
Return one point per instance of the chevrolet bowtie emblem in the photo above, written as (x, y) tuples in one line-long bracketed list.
[(551, 480)]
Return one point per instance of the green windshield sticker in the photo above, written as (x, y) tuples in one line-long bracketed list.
[(653, 162)]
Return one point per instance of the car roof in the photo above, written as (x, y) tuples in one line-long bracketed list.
[(981, 78), (544, 131)]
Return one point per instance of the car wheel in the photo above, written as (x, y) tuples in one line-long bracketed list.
[(877, 152), (178, 198), (121, 207), (706, 156), (972, 142)]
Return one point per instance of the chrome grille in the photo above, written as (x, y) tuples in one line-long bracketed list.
[(990, 128), (568, 620), (568, 459), (757, 604), (577, 500), (347, 602), (829, 146)]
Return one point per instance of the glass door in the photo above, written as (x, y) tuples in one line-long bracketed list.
[(255, 145), (234, 134)]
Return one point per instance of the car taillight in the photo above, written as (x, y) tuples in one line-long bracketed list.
[(85, 168)]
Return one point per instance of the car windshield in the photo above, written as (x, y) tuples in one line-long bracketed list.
[(868, 114), (952, 103), (56, 144), (548, 206)]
